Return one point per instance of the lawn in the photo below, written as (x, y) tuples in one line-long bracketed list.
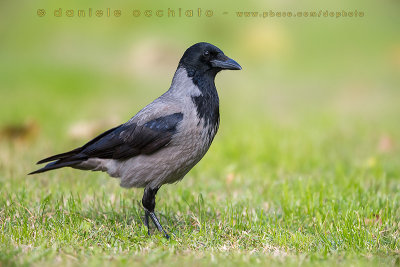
[(304, 169)]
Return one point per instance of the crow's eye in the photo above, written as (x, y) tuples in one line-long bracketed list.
[(206, 53)]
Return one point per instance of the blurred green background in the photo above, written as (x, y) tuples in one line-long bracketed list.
[(312, 117), (293, 69), (68, 78)]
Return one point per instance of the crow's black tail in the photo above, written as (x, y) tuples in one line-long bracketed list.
[(67, 159), (56, 165), (70, 158), (61, 156)]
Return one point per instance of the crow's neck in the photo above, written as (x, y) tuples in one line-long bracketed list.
[(207, 103)]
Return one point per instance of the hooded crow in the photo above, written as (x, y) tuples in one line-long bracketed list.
[(163, 141)]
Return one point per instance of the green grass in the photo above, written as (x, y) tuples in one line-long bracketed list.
[(278, 194)]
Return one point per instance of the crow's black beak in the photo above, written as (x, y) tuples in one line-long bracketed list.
[(225, 63)]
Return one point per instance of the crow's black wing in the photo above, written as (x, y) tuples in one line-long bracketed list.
[(122, 142), (131, 139)]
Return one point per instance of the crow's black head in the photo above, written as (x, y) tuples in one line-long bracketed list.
[(205, 57)]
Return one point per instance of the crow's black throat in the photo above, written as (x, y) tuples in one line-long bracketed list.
[(207, 104)]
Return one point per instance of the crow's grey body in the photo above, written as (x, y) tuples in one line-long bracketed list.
[(188, 145)]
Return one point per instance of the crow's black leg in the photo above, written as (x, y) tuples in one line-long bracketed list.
[(146, 220), (149, 203), (157, 223)]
